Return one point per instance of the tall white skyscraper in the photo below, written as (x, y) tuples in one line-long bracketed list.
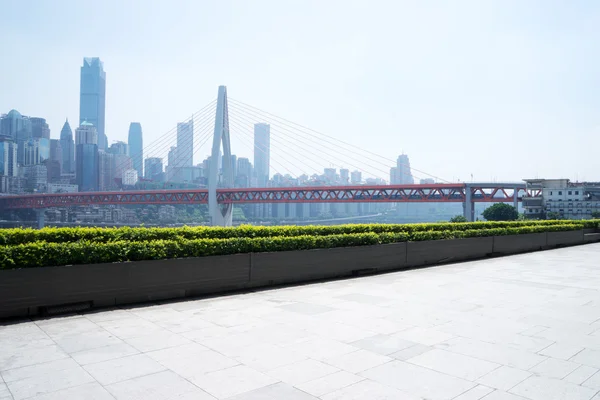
[(404, 175), (185, 144), (262, 153), (136, 147)]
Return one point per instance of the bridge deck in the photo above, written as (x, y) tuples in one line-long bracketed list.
[(517, 327)]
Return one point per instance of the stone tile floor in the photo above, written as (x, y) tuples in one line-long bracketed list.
[(520, 327)]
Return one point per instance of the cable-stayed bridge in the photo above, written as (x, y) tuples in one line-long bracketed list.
[(295, 153)]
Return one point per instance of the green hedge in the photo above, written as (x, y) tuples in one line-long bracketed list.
[(46, 254), (107, 235)]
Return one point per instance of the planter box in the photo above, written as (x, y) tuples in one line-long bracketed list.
[(441, 251), (591, 237), (298, 266), (24, 291), (568, 238), (28, 291), (514, 244)]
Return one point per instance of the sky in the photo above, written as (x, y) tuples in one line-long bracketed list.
[(500, 89)]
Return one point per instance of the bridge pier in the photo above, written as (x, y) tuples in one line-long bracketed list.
[(468, 205), (40, 217), (516, 199)]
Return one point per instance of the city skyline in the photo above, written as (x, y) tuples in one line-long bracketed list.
[(475, 77)]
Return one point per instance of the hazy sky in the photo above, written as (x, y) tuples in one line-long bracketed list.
[(502, 90)]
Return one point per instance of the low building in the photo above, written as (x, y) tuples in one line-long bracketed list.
[(560, 198), (130, 177), (62, 188)]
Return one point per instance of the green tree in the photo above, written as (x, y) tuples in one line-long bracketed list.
[(501, 212), (553, 215), (596, 214), (458, 218)]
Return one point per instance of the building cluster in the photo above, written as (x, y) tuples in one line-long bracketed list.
[(561, 199), (30, 161)]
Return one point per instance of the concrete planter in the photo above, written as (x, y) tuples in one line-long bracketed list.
[(515, 244), (591, 237), (568, 238), (30, 291), (24, 291), (295, 266), (442, 251)]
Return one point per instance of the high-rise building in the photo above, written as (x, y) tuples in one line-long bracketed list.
[(17, 127), (234, 165), (185, 144), (67, 146), (8, 156), (55, 150), (330, 175), (36, 176), (404, 174), (14, 125), (119, 148), (344, 176), (153, 168), (173, 164), (122, 163), (106, 170), (356, 177), (36, 151), (262, 153), (92, 97), (39, 128), (244, 172), (394, 176), (136, 147), (86, 157), (54, 170)]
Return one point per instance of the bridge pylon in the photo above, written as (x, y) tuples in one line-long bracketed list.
[(220, 214)]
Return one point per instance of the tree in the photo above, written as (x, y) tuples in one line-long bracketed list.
[(458, 218), (553, 215), (501, 212), (596, 214)]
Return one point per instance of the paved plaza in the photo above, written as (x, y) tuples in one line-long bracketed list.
[(519, 327)]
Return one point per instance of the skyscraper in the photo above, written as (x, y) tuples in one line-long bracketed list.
[(35, 151), (136, 147), (86, 159), (14, 124), (403, 170), (39, 128), (119, 148), (185, 143), (92, 97), (344, 176), (153, 168), (244, 172), (67, 148), (54, 164), (262, 153), (18, 128), (8, 157)]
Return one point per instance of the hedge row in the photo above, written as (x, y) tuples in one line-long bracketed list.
[(107, 235), (46, 254)]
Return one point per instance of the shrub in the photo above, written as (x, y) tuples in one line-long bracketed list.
[(43, 253), (107, 235)]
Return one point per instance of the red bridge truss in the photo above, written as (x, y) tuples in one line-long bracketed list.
[(442, 193)]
